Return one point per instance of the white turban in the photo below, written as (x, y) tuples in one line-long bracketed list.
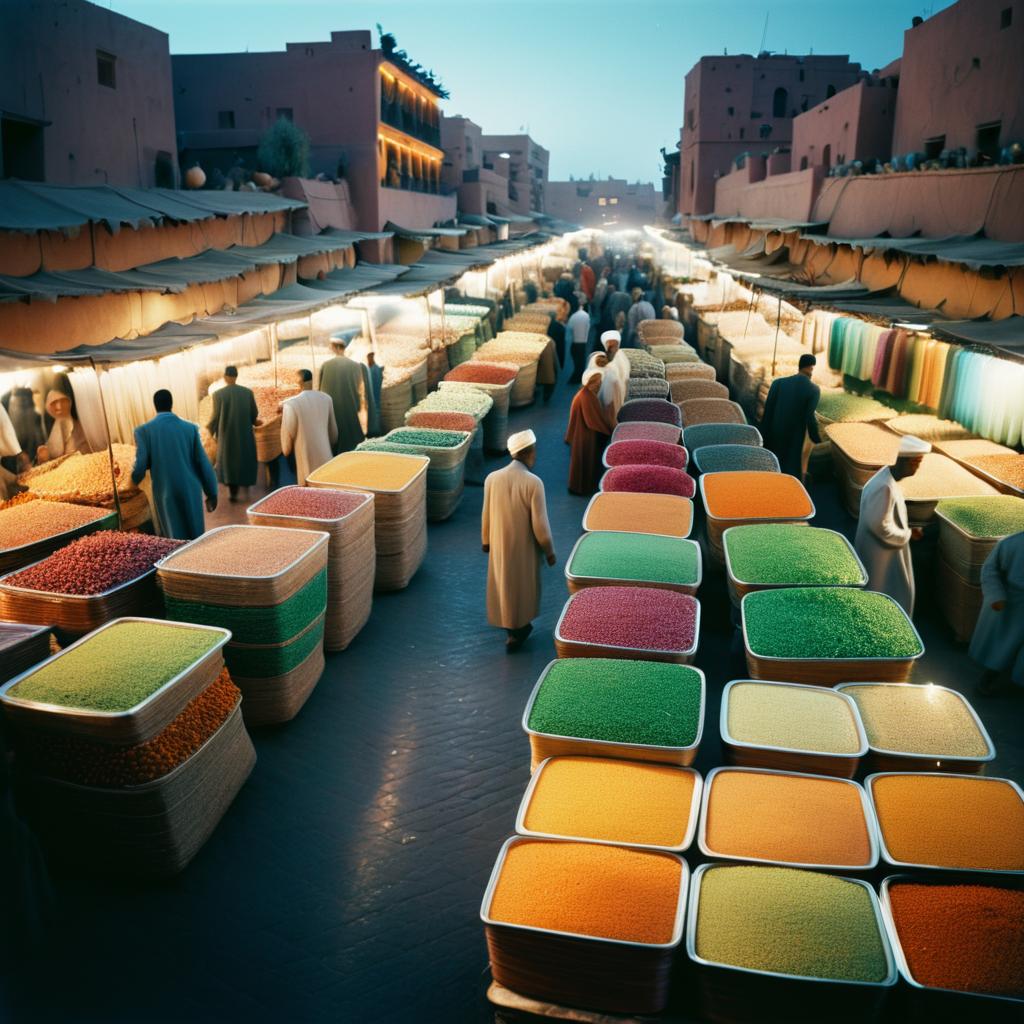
[(594, 371), (910, 446), (520, 442), (610, 336)]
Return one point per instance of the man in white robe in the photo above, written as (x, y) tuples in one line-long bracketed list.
[(308, 427), (616, 377), (516, 535), (883, 529), (998, 641)]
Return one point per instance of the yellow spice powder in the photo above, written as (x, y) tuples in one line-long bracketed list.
[(370, 470), (795, 718)]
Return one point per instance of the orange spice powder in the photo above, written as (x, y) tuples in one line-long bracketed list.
[(665, 514), (949, 822), (791, 818), (608, 892), (619, 801), (755, 495), (370, 470)]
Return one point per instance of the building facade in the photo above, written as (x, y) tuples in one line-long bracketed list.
[(527, 170), (738, 104), (612, 203), (370, 121), (481, 184), (101, 113)]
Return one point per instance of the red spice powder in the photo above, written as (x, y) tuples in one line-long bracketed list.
[(651, 410), (642, 617), (649, 480), (443, 421), (312, 502), (482, 373), (963, 937), (646, 453)]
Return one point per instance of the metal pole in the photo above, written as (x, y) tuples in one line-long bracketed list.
[(749, 308), (110, 446), (778, 322)]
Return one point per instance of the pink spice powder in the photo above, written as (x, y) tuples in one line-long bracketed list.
[(649, 480), (641, 617), (312, 502), (654, 410), (443, 421), (640, 430), (646, 453), (481, 373)]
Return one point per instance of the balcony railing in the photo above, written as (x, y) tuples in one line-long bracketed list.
[(399, 116)]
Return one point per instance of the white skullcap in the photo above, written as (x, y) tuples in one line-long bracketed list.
[(910, 445), (610, 336), (520, 442), (594, 371)]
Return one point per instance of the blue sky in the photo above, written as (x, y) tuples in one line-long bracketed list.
[(598, 82)]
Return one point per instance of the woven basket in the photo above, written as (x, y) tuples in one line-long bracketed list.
[(647, 387), (437, 367), (395, 401), (135, 511), (710, 410), (495, 423), (150, 830), (18, 558), (654, 332), (964, 554), (688, 371), (270, 700), (268, 439), (524, 387), (683, 390), (461, 351)]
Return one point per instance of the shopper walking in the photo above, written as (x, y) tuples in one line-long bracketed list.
[(342, 379), (998, 641), (308, 427), (373, 384), (789, 416), (640, 310), (234, 416), (169, 449), (579, 336), (587, 435), (516, 535), (883, 529), (617, 302)]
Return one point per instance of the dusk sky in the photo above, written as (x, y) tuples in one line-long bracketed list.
[(598, 82)]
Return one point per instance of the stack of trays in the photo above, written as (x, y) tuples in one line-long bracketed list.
[(960, 601), (744, 498), (437, 366), (949, 822), (784, 944), (728, 458), (269, 587), (647, 387), (465, 402), (610, 947), (685, 390), (447, 451), (643, 366), (697, 411), (607, 558), (347, 519), (399, 486), (34, 529), (920, 728), (647, 479), (525, 384), (461, 350), (660, 332), (22, 645), (797, 820), (792, 727), (624, 709), (395, 401), (645, 430), (607, 800), (673, 354), (957, 946), (678, 372), (859, 450), (418, 385), (643, 623), (621, 512), (770, 555), (701, 434), (828, 635), (645, 453), (133, 745), (495, 423), (650, 410)]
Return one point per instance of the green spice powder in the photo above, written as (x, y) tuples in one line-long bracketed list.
[(619, 700), (827, 622), (118, 668), (796, 555), (997, 515), (637, 556), (789, 922)]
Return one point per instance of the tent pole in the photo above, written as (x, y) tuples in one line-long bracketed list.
[(110, 446), (778, 322)]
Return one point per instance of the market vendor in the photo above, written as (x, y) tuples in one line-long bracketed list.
[(66, 436), (588, 434), (516, 535), (883, 530), (342, 379), (234, 416), (308, 427), (998, 641), (789, 416)]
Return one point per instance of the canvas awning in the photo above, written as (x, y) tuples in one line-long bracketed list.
[(1005, 336), (423, 234), (974, 252)]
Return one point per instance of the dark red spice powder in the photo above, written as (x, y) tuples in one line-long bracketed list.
[(649, 480), (653, 410), (642, 617), (443, 421), (482, 373), (646, 453)]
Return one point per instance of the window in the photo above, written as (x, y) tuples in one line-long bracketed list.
[(691, 177), (987, 140), (286, 112), (1006, 17), (780, 102), (105, 69), (689, 119), (613, 201), (743, 132), (933, 147), (803, 163), (826, 156), (801, 74), (830, 91), (602, 201), (225, 119), (730, 110)]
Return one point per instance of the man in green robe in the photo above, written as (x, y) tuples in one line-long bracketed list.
[(234, 416), (342, 379)]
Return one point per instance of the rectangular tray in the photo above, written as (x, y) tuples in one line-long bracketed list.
[(575, 582), (410, 483), (869, 820), (36, 550), (686, 536)]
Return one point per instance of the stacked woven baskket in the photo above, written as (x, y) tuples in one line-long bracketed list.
[(347, 517), (450, 409), (532, 354), (447, 451), (269, 587), (399, 485), (495, 380), (130, 745)]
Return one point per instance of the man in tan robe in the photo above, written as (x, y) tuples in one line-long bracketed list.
[(516, 534), (308, 427)]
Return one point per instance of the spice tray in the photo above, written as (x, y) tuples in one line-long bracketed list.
[(882, 759), (566, 648), (154, 829), (674, 451), (545, 745), (495, 423), (730, 994), (688, 824), (624, 522), (748, 458), (634, 414), (22, 645), (577, 582), (235, 589), (925, 1004), (664, 432), (792, 759), (26, 554), (139, 723), (963, 553), (395, 400), (76, 614), (891, 860), (611, 975), (870, 824)]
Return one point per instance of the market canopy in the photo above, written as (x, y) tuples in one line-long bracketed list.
[(1005, 335), (423, 234), (972, 251), (884, 305)]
